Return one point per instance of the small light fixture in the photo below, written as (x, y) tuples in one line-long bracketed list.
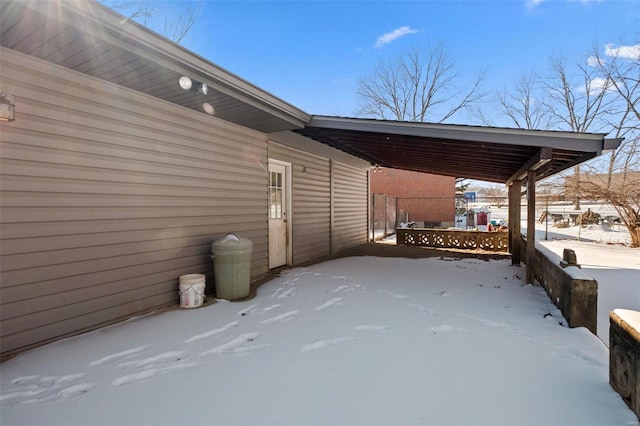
[(208, 108), (185, 82), (7, 108), (204, 89)]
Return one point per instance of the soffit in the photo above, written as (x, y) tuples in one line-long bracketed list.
[(90, 38), (481, 153)]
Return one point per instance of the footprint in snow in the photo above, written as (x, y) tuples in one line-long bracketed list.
[(370, 327), (239, 345), (129, 353), (320, 344), (270, 308), (423, 309), (341, 289), (47, 380), (166, 358), (446, 328), (152, 372), (75, 390), (345, 288), (164, 363), (256, 310), (282, 317), (395, 295), (212, 333), (281, 293), (328, 304), (66, 393), (506, 328), (249, 310), (343, 278), (35, 389), (566, 352)]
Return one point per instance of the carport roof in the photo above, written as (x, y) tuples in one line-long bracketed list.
[(483, 153)]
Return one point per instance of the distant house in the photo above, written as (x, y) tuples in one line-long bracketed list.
[(422, 197), (628, 182)]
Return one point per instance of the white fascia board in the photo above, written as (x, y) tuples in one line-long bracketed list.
[(581, 142), (156, 48)]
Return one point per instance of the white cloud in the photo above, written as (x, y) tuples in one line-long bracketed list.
[(628, 52), (598, 84), (532, 4), (394, 35), (593, 61)]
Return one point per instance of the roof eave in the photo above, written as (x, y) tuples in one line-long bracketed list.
[(585, 142), (102, 22)]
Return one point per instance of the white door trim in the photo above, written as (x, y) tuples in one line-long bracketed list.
[(288, 204)]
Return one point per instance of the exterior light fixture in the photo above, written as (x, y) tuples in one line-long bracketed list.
[(185, 82), (208, 108), (7, 108), (193, 86)]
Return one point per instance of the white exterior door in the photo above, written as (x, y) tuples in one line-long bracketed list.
[(278, 226)]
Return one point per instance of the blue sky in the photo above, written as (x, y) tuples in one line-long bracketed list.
[(312, 53)]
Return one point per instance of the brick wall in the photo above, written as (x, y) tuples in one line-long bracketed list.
[(425, 197)]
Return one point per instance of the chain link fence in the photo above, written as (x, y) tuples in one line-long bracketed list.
[(383, 216), (389, 213)]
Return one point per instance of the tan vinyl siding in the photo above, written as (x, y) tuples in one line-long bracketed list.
[(108, 196), (311, 202), (350, 197)]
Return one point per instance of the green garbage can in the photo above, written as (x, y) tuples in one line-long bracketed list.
[(232, 266)]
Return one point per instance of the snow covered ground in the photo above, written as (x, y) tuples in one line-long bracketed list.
[(354, 341), (603, 253), (369, 341)]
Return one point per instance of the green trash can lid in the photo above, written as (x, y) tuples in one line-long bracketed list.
[(231, 241)]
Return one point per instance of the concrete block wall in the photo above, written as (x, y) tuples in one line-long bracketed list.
[(573, 291), (624, 356)]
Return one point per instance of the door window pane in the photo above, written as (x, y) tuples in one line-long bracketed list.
[(275, 196)]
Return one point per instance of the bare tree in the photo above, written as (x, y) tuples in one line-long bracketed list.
[(497, 194), (619, 185), (523, 103), (462, 184), (421, 85), (575, 101), (574, 97), (620, 73), (623, 192), (620, 70), (175, 28), (600, 92)]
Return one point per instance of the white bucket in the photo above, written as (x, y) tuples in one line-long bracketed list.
[(192, 290)]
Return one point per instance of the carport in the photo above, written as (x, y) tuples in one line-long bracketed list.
[(516, 157)]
